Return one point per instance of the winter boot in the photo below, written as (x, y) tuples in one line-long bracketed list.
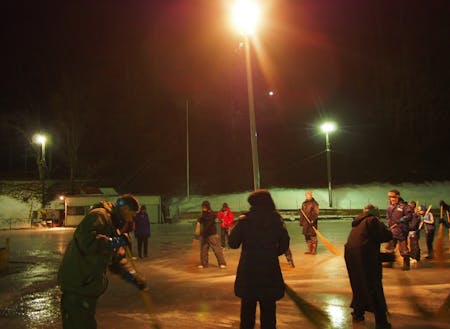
[(314, 248), (406, 264), (309, 243)]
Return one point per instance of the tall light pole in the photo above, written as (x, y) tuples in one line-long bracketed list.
[(245, 19), (187, 150), (41, 139), (328, 127)]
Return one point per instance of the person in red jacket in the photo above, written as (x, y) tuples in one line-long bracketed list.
[(226, 219)]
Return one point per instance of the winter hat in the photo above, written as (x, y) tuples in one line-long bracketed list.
[(128, 200), (393, 193), (261, 199), (371, 210)]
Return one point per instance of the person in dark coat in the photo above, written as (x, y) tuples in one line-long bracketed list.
[(97, 242), (209, 237), (263, 237), (142, 231), (363, 261), (414, 232), (310, 207), (398, 217)]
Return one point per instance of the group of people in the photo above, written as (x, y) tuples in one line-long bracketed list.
[(101, 240), (406, 220), (364, 259)]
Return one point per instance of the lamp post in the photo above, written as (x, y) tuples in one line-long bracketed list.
[(245, 19), (328, 127), (41, 139), (187, 150)]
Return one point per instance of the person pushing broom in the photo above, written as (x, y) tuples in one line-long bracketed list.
[(309, 214)]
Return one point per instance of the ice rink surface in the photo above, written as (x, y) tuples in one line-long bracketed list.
[(182, 296)]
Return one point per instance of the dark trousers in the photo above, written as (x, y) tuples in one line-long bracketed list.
[(430, 238), (224, 236), (402, 247), (142, 245), (78, 311), (267, 311), (213, 242), (414, 244)]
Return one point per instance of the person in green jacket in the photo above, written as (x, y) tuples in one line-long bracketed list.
[(98, 241)]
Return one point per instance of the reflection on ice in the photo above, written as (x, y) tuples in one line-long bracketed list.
[(36, 309), (336, 312)]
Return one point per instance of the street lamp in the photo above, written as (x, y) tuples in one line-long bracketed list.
[(328, 127), (245, 18), (41, 139)]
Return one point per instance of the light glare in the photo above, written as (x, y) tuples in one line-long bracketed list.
[(245, 16), (40, 139), (328, 127)]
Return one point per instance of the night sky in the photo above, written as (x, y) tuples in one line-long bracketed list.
[(112, 78)]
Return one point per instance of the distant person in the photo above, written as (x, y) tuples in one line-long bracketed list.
[(82, 273), (310, 208), (429, 225), (226, 219), (209, 237), (398, 217), (445, 218), (142, 231), (363, 261), (263, 237), (414, 232)]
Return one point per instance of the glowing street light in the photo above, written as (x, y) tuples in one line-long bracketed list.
[(245, 16), (41, 139), (328, 127)]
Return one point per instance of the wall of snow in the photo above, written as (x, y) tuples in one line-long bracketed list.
[(344, 197)]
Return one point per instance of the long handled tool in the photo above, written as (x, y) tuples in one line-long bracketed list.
[(314, 314), (426, 213), (439, 247), (145, 295), (195, 247), (325, 242)]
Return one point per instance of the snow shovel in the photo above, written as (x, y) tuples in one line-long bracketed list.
[(325, 242)]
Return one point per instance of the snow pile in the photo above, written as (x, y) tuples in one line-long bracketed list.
[(344, 197), (18, 203)]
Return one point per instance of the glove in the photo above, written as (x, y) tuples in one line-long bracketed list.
[(118, 241), (135, 279)]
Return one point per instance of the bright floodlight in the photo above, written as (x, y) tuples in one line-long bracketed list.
[(328, 127), (245, 16), (40, 139)]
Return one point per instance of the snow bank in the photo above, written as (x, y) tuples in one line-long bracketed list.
[(344, 197)]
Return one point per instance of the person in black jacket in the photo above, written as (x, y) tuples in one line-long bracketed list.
[(263, 237), (363, 261), (414, 232), (209, 237)]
